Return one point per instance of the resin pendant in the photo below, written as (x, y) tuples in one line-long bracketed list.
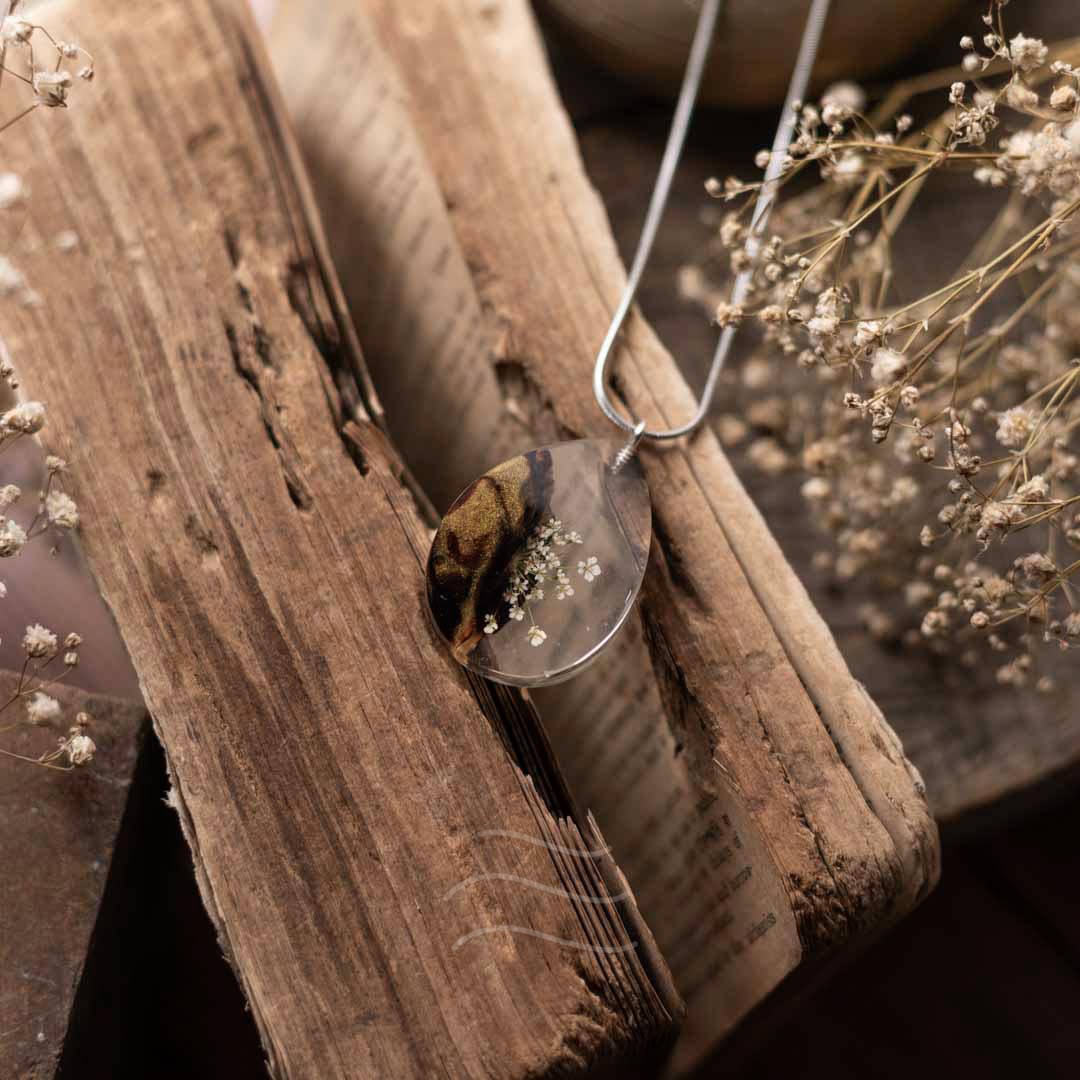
[(538, 562)]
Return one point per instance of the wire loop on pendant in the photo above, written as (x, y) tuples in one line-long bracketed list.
[(680, 124), (630, 449)]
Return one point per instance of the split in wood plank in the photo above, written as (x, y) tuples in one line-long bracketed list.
[(392, 886)]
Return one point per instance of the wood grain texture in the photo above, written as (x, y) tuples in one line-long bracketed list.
[(58, 832), (383, 848), (752, 680)]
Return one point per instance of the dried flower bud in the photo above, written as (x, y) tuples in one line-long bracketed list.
[(52, 87), (867, 332), (27, 418), (71, 659), (816, 489), (1027, 53), (61, 510), (12, 539), (15, 31), (54, 464), (1015, 426), (980, 620), (822, 327), (728, 315), (1064, 97), (1020, 96), (39, 643), (731, 231), (845, 95), (887, 365), (79, 748), (73, 641), (41, 708)]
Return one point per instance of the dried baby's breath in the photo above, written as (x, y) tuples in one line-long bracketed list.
[(939, 432), (538, 573), (37, 70)]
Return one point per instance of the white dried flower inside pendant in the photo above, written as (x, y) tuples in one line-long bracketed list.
[(538, 562), (507, 551)]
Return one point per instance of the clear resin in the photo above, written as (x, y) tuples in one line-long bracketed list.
[(538, 562)]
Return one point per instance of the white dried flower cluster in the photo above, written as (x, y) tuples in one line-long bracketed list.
[(12, 538), (51, 81), (61, 511), (39, 642), (939, 434), (57, 510), (540, 564), (26, 418), (1014, 426), (41, 708), (79, 748), (43, 69), (73, 749), (42, 646)]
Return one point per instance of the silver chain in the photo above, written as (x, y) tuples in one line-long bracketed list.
[(680, 124)]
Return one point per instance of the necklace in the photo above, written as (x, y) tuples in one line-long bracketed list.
[(538, 563)]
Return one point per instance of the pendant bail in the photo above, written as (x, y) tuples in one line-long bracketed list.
[(630, 449)]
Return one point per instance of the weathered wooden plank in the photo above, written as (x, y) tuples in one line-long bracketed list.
[(506, 281), (391, 885), (58, 833)]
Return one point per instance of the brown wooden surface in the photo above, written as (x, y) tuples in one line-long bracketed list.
[(758, 699), (247, 522), (979, 979), (973, 742), (58, 833)]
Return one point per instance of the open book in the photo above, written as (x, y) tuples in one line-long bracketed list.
[(758, 803)]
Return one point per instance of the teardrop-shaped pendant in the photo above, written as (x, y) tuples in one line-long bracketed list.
[(538, 562)]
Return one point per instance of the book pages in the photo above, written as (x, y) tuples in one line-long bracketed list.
[(700, 867)]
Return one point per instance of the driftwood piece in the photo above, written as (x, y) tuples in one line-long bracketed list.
[(764, 716), (386, 851), (58, 833)]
